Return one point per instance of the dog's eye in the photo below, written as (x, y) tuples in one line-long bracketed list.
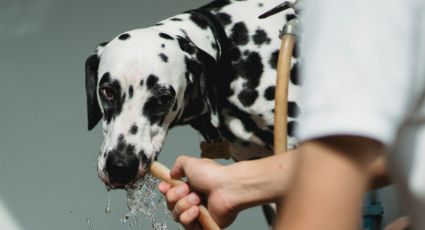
[(107, 93)]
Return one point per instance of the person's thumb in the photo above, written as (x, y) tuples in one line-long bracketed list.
[(178, 170)]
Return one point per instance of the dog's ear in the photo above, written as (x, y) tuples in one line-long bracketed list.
[(208, 85), (203, 67), (93, 110)]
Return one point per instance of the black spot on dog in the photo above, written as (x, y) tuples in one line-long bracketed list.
[(273, 59), (130, 92), (239, 34), (151, 81), (294, 74), (293, 109), (158, 105), (162, 45), (289, 17), (133, 129), (260, 37), (292, 125), (198, 21), (269, 93), (250, 68), (224, 18), (235, 54), (141, 82), (121, 143), (185, 34), (124, 36), (163, 57), (159, 24), (260, 4), (176, 19), (247, 97), (103, 44), (214, 46), (186, 46), (166, 36), (146, 161)]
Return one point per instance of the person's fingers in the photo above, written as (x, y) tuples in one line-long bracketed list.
[(189, 217), (178, 170), (163, 187), (185, 203), (175, 194)]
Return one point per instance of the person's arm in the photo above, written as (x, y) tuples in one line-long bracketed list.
[(328, 185), (228, 189)]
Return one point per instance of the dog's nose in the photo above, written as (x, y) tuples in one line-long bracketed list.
[(122, 168)]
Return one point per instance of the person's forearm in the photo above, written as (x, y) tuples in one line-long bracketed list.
[(260, 181), (329, 183)]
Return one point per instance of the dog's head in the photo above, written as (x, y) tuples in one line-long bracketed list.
[(138, 84)]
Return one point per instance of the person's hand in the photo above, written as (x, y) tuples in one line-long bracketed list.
[(205, 184)]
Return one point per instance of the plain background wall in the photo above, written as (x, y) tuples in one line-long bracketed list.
[(47, 157)]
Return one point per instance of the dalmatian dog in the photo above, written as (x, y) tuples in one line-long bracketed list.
[(213, 68)]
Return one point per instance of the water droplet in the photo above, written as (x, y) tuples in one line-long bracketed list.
[(89, 223), (108, 187), (108, 204)]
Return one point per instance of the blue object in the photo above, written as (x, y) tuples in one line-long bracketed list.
[(373, 211)]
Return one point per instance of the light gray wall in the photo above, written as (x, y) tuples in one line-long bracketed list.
[(47, 157)]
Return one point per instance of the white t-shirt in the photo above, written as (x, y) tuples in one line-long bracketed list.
[(364, 74)]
